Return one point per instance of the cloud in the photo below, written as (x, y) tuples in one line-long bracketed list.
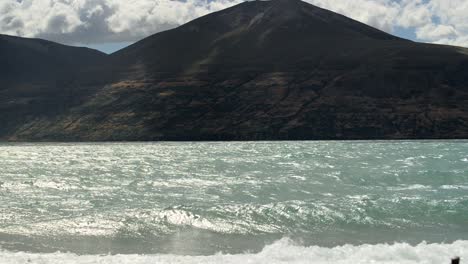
[(33, 17), (413, 13), (433, 32), (377, 13), (453, 19), (436, 21), (104, 21), (99, 21)]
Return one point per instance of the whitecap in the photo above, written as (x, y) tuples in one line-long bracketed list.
[(282, 251), (454, 187), (410, 187)]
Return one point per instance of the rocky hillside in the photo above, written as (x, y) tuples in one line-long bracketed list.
[(41, 79)]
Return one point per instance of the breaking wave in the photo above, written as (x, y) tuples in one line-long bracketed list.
[(282, 251)]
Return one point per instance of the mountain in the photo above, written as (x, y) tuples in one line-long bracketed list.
[(35, 60), (280, 69), (39, 79), (257, 36)]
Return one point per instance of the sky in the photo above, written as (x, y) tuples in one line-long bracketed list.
[(109, 25)]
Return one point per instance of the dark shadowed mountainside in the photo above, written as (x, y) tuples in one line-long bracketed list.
[(281, 69), (40, 79)]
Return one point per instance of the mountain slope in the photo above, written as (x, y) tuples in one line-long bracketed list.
[(40, 78), (281, 69), (259, 35), (36, 60)]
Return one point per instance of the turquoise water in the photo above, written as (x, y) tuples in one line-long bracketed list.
[(227, 201)]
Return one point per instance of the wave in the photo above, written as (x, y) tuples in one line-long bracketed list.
[(352, 212), (282, 251)]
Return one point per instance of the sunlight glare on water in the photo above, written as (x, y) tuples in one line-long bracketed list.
[(170, 200)]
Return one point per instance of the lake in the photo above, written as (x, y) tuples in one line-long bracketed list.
[(232, 202)]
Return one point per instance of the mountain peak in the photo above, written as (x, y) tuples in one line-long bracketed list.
[(253, 33), (286, 2)]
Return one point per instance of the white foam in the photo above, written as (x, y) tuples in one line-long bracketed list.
[(454, 187), (410, 187), (282, 251)]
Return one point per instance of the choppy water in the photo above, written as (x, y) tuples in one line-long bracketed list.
[(263, 202)]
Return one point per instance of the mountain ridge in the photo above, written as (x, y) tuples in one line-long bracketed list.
[(241, 19)]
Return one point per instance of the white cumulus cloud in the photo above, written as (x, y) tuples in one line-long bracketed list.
[(433, 32), (413, 13), (436, 21), (101, 21), (377, 13)]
